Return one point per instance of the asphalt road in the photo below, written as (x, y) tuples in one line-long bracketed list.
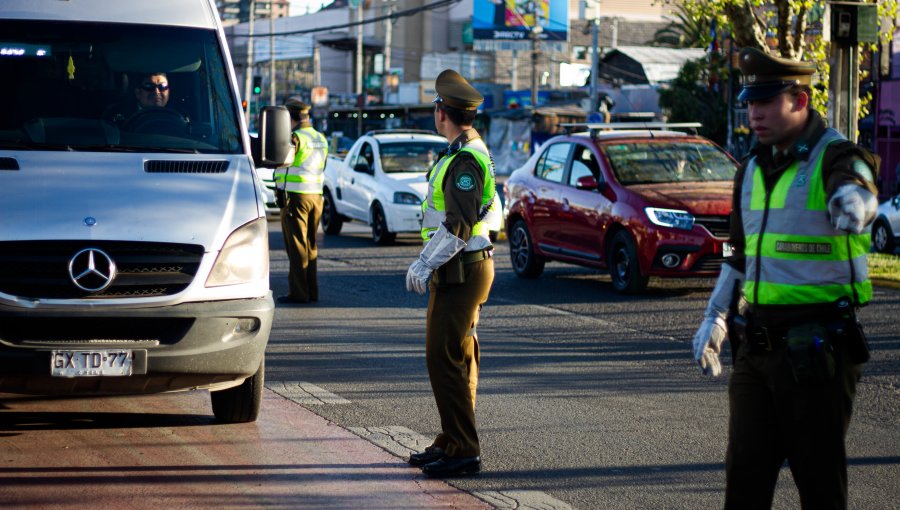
[(586, 396)]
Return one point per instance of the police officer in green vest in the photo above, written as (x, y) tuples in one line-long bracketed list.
[(788, 294), (456, 268), (299, 193)]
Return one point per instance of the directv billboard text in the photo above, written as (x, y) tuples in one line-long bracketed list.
[(509, 24)]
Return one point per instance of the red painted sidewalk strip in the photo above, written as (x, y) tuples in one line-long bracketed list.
[(165, 451)]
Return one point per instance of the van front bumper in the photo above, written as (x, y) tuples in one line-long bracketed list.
[(187, 346)]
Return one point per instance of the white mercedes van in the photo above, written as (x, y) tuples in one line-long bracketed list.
[(133, 240)]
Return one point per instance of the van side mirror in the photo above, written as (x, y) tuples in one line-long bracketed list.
[(362, 168), (273, 147)]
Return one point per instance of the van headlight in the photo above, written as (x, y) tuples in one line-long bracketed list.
[(402, 197), (672, 218), (244, 258)]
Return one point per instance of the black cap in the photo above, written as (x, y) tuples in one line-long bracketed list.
[(766, 76), (454, 91)]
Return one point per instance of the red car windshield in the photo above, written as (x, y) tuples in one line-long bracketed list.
[(648, 162)]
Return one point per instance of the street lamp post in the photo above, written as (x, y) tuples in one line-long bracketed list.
[(248, 68), (535, 37)]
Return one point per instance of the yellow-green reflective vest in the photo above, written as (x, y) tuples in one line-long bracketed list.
[(307, 173), (433, 211), (793, 254)]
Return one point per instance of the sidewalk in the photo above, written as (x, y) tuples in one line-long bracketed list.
[(163, 451)]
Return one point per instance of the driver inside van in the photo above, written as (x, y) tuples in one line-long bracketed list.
[(150, 91), (153, 90)]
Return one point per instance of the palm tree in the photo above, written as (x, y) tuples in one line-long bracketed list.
[(684, 32)]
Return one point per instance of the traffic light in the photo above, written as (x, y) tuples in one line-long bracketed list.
[(257, 84)]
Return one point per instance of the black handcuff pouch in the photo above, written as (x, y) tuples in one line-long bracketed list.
[(811, 353)]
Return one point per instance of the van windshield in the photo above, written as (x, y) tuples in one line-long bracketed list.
[(114, 87)]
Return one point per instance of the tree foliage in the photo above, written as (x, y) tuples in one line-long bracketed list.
[(695, 96), (787, 28)]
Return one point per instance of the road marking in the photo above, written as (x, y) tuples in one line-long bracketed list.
[(595, 320), (305, 393), (401, 441), (522, 500)]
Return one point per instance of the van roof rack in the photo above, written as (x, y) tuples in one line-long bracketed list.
[(596, 127), (401, 132)]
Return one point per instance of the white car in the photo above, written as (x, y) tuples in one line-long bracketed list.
[(266, 178), (381, 182), (886, 229)]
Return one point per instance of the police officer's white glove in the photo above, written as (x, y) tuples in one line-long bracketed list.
[(708, 344), (708, 340), (441, 248), (852, 207)]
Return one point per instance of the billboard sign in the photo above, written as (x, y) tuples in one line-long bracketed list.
[(513, 24)]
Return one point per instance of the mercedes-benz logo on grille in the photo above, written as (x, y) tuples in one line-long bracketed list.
[(92, 270)]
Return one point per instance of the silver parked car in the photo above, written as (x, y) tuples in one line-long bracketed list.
[(886, 229)]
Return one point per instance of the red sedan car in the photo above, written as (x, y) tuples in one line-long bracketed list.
[(639, 203)]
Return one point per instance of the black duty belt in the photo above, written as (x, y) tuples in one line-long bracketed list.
[(766, 338), (468, 257)]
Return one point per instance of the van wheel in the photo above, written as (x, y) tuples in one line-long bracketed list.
[(241, 403), (331, 220), (882, 237), (525, 262), (380, 233), (623, 265)]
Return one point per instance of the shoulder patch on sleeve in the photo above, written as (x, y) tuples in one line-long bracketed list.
[(465, 181), (862, 169)]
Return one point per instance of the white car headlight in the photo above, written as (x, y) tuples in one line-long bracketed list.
[(402, 197), (672, 218), (244, 258)]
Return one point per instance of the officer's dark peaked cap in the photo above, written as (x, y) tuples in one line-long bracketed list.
[(766, 76), (454, 91), (297, 104)]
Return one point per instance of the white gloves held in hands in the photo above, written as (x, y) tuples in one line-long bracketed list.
[(440, 249), (417, 276)]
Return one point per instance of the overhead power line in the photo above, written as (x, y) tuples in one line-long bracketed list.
[(398, 14)]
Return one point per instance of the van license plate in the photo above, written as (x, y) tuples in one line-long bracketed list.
[(101, 362)]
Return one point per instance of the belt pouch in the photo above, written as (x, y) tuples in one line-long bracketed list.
[(737, 333), (857, 346), (810, 353), (453, 272)]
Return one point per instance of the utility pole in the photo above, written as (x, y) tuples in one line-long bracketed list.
[(360, 99), (388, 40), (514, 79), (248, 68), (271, 54), (595, 54), (536, 30), (847, 24)]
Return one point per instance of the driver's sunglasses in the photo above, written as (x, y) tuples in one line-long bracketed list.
[(150, 87)]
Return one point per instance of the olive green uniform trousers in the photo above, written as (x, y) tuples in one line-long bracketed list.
[(774, 417), (299, 224), (452, 355)]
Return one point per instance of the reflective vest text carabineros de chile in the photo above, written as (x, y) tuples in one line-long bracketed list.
[(794, 255), (307, 173), (433, 212)]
